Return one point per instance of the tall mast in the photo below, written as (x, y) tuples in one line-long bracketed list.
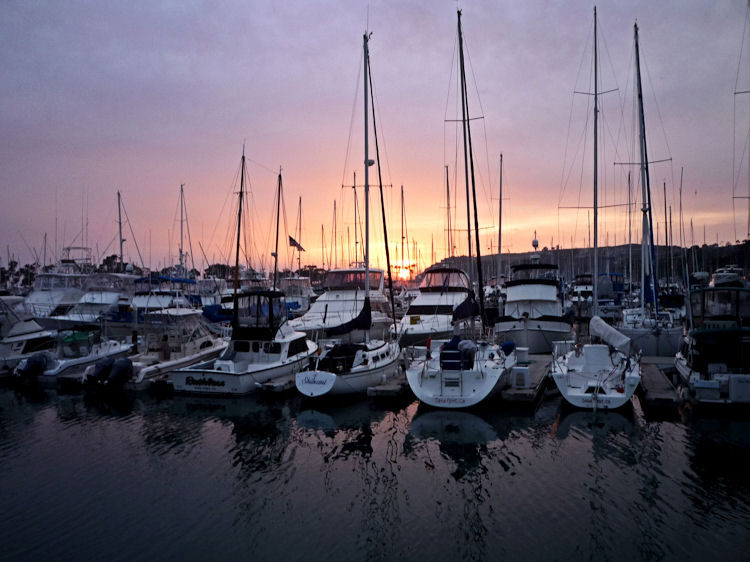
[(402, 228), (464, 118), (595, 297), (646, 188), (278, 212), (119, 222), (367, 163), (235, 313), (299, 236), (448, 199), (470, 165), (182, 206), (500, 225), (666, 236)]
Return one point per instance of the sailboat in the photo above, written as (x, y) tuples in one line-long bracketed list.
[(345, 368), (653, 331), (263, 346), (461, 372), (597, 375)]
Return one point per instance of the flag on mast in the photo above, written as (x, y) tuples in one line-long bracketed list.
[(295, 244)]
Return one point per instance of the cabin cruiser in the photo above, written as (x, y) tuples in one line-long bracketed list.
[(74, 351), (299, 294), (106, 297), (340, 313), (533, 310), (431, 314), (263, 347), (713, 363), (172, 338)]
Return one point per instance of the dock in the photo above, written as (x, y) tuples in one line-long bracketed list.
[(658, 390), (527, 380), (394, 387), (282, 384)]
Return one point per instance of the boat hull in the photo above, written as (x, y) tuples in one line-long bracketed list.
[(218, 382), (535, 334), (443, 388), (322, 383)]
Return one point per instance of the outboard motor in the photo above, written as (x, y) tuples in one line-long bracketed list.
[(101, 371), (32, 367), (122, 371)]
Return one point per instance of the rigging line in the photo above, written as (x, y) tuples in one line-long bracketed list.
[(351, 120), (742, 46), (187, 224), (130, 226), (223, 206), (487, 196)]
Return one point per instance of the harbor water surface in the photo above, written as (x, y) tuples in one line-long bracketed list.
[(259, 478)]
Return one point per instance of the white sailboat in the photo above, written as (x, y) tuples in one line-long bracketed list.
[(597, 376), (345, 368), (594, 375), (653, 331), (461, 372)]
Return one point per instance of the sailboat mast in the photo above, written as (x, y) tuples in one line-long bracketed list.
[(119, 222), (276, 251), (402, 228), (367, 163), (666, 236), (646, 185), (448, 199), (235, 312), (500, 225), (595, 297), (470, 164), (182, 207), (464, 118), (299, 236)]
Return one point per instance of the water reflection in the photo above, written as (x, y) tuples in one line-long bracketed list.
[(283, 477)]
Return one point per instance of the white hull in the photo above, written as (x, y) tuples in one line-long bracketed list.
[(211, 381), (591, 379), (358, 379), (664, 342), (717, 388), (537, 335), (148, 371), (443, 388)]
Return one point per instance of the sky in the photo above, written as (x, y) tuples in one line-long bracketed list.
[(141, 97)]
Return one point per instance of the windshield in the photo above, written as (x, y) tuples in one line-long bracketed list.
[(351, 280)]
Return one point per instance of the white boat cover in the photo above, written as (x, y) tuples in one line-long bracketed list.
[(605, 332)]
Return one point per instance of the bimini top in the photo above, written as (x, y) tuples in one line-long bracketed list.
[(445, 279)]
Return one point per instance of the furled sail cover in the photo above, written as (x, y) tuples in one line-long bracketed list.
[(363, 321), (605, 332)]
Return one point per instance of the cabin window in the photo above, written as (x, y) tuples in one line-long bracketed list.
[(297, 346), (256, 347), (241, 346)]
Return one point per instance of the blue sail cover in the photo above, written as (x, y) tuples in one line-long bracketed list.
[(648, 290), (363, 321)]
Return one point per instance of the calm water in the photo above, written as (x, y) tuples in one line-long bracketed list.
[(287, 479)]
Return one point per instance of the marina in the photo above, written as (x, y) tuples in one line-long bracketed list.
[(518, 374)]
